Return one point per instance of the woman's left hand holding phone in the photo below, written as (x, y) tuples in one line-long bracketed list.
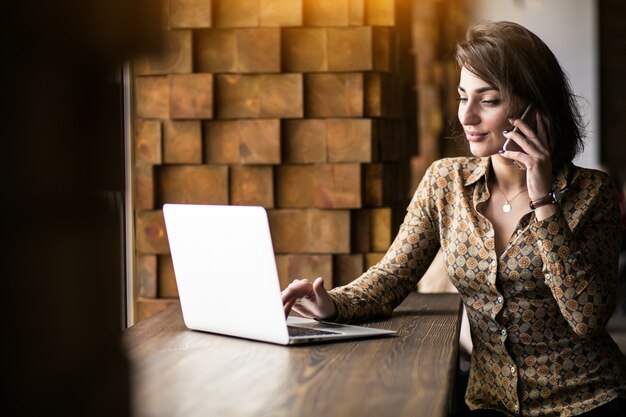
[(534, 157)]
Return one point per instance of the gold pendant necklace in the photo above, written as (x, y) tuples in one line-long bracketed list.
[(506, 207)]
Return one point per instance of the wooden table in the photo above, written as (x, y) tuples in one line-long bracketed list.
[(178, 372)]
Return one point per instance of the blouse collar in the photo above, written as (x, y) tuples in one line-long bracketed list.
[(478, 168)]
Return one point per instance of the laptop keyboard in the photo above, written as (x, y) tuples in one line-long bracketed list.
[(305, 331)]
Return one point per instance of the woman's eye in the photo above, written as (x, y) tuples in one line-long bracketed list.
[(494, 102), (462, 99)]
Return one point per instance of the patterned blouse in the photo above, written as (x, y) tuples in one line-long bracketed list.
[(538, 313)]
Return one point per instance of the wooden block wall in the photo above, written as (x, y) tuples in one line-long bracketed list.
[(437, 77), (304, 107)]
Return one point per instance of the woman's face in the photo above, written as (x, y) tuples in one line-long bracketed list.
[(483, 114)]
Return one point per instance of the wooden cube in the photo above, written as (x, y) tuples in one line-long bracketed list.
[(350, 140), (376, 90), (258, 50), (144, 187), (189, 14), (280, 13), (360, 227), (191, 96), (289, 230), (305, 49), (259, 141), (347, 268), (250, 50), (281, 96), (167, 279), (235, 13), (320, 185), (430, 115), (372, 258), (308, 267), (380, 12), (174, 56), (350, 49), (182, 141), (151, 237), (296, 186), (375, 190), (337, 49), (334, 95), (146, 266), (238, 96), (148, 142), (304, 141), (383, 47), (326, 12), (419, 166), (390, 144), (381, 233), (357, 12), (259, 96), (338, 186), (310, 231), (328, 231), (252, 186), (193, 184), (221, 142), (245, 141), (215, 50), (152, 97)]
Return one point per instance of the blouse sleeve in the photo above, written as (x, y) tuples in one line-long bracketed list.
[(580, 257), (383, 286)]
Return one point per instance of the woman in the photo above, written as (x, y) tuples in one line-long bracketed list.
[(529, 240)]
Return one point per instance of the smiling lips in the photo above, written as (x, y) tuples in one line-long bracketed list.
[(475, 136)]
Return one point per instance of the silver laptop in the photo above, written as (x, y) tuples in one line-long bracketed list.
[(227, 279)]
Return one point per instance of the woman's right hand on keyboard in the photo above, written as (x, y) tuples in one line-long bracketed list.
[(309, 299)]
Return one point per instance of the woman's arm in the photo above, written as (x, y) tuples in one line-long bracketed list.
[(383, 286), (580, 263)]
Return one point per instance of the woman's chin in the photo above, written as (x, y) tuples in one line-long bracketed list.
[(482, 150)]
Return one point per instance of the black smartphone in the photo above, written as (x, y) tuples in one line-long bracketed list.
[(510, 145)]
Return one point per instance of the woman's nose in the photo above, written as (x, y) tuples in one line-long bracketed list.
[(467, 115)]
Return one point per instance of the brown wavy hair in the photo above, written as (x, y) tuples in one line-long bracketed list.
[(521, 66)]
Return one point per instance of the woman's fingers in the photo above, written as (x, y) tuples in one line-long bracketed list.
[(296, 289), (287, 306), (536, 155), (309, 299), (318, 287), (532, 142)]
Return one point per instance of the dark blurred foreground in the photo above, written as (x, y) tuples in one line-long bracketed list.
[(63, 190)]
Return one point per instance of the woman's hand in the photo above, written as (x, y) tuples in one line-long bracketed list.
[(309, 299), (535, 158)]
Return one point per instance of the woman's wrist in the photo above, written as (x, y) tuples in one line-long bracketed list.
[(548, 198), (545, 211)]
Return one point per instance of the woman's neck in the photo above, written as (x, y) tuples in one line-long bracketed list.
[(507, 175)]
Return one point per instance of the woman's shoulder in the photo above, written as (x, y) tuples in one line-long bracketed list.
[(588, 177)]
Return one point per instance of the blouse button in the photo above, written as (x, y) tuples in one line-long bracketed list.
[(503, 332), (513, 370)]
